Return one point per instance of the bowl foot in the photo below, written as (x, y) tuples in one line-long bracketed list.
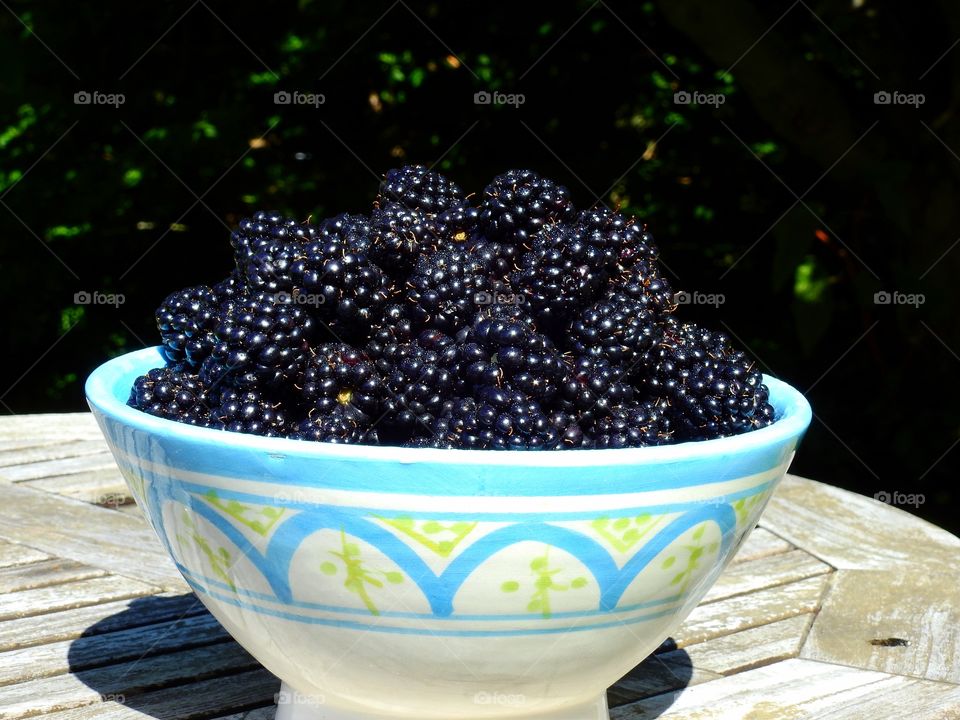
[(296, 706)]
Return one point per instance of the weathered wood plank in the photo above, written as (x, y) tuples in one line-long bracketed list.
[(229, 694), (122, 544), (802, 690), (124, 680), (97, 619), (104, 486), (27, 603), (39, 661), (749, 648), (734, 614), (863, 608), (657, 674), (264, 713), (52, 571), (854, 532), (761, 543), (44, 427), (61, 466), (769, 571), (16, 554), (56, 451)]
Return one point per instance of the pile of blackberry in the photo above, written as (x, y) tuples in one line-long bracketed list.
[(508, 320)]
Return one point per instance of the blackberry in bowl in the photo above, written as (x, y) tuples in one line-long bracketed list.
[(442, 499)]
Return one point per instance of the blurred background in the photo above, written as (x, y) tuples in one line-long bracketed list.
[(797, 162)]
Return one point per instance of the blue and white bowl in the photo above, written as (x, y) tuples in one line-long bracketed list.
[(387, 582)]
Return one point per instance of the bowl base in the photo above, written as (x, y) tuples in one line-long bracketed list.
[(295, 706)]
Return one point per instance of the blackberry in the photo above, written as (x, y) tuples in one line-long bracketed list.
[(353, 230), (186, 320), (713, 388), (416, 385), (594, 387), (502, 418), (255, 234), (524, 357), (417, 187), (519, 202), (634, 425), (619, 328), (393, 329), (560, 273), (248, 411), (261, 343), (340, 282), (340, 425), (459, 222), (643, 281), (269, 266), (448, 287), (399, 234), (170, 394), (338, 375), (604, 228), (230, 288)]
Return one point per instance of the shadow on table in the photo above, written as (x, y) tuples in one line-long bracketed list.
[(655, 683), (161, 655)]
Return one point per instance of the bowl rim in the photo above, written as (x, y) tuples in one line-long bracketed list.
[(107, 389)]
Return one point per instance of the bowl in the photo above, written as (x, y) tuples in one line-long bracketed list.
[(389, 582)]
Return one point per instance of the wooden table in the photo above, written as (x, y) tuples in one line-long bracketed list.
[(837, 607)]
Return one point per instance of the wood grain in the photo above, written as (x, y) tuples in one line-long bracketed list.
[(802, 690), (38, 601), (120, 543), (761, 543), (42, 573), (853, 532), (865, 608)]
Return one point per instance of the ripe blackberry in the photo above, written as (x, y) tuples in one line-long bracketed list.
[(260, 343), (447, 288), (171, 394), (594, 387), (339, 282), (524, 358), (634, 425), (500, 418), (713, 388), (399, 234), (393, 329), (249, 411), (619, 328), (269, 266), (417, 187), (230, 288), (339, 425), (256, 233), (354, 231), (186, 320), (604, 228), (416, 386), (338, 375), (458, 223), (643, 281), (561, 273), (519, 202)]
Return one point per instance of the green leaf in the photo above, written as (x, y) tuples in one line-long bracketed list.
[(669, 562), (393, 577), (510, 586)]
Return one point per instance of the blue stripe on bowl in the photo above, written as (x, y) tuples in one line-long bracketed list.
[(435, 472)]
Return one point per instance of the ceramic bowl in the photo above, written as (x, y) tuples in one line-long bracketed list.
[(387, 582)]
